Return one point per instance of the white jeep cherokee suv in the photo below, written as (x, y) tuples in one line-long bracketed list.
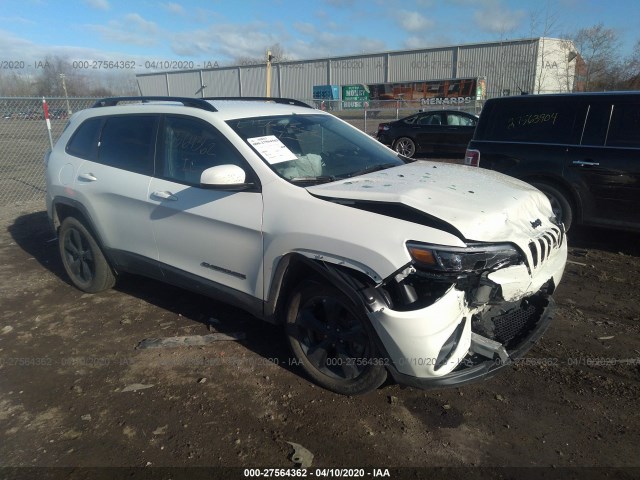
[(438, 274)]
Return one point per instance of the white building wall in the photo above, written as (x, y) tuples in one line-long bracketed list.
[(555, 66)]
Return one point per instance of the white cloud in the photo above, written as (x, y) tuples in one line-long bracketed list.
[(227, 42), (15, 19), (136, 21), (413, 21), (32, 53), (132, 29), (174, 8), (494, 17), (98, 4)]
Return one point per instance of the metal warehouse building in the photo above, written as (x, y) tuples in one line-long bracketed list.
[(534, 65)]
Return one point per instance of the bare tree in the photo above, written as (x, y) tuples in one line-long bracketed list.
[(13, 84), (632, 68), (599, 48)]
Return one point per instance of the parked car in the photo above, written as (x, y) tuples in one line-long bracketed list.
[(434, 132), (581, 149), (438, 274)]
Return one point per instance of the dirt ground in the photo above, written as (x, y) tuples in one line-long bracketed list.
[(75, 392)]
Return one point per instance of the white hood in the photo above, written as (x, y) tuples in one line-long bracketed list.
[(481, 204)]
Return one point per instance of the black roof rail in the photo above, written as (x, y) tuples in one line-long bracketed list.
[(186, 101), (284, 101)]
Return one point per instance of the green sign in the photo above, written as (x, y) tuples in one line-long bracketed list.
[(354, 96)]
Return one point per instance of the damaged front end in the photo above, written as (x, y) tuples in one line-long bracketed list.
[(456, 315)]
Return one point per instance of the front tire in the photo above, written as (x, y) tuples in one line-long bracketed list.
[(559, 203), (332, 340), (405, 146), (82, 258)]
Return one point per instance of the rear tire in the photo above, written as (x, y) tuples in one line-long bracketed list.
[(405, 146), (82, 258), (559, 203), (332, 340)]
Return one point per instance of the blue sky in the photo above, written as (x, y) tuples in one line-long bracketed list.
[(223, 31)]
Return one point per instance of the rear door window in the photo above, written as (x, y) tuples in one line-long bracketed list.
[(430, 119), (595, 130), (128, 142), (625, 126)]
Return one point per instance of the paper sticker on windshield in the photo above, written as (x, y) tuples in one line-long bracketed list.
[(272, 149)]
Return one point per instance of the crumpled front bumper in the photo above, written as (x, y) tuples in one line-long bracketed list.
[(470, 371), (443, 344)]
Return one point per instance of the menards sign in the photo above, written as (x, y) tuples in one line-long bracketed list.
[(453, 91)]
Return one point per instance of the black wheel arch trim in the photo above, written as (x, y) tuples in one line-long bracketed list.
[(361, 293), (87, 221)]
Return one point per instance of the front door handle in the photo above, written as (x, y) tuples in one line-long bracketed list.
[(166, 195), (87, 177), (582, 163)]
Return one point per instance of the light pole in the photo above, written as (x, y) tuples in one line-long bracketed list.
[(66, 97), (269, 58)]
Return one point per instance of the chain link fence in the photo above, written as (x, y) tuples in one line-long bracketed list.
[(24, 141), (366, 115)]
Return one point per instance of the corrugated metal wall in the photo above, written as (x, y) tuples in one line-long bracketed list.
[(422, 65), (184, 84), (295, 78), (509, 66), (153, 84), (221, 83), (360, 69)]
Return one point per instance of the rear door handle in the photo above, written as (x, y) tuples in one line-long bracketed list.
[(87, 177), (164, 195), (582, 163)]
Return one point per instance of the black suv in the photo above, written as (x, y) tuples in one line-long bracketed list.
[(581, 149)]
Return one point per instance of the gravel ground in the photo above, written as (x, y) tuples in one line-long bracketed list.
[(75, 392)]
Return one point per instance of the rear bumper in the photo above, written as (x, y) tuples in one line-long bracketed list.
[(384, 139)]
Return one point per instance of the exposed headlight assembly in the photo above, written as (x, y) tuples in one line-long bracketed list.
[(460, 260)]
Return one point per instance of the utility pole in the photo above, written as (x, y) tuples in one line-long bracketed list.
[(269, 58), (66, 96)]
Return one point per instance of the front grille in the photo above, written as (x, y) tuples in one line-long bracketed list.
[(542, 246), (514, 323), (509, 323)]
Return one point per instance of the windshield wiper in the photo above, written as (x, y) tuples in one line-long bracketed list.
[(318, 179), (372, 168)]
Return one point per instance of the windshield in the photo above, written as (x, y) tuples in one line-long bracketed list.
[(313, 148)]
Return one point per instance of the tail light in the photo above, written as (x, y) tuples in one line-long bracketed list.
[(383, 127), (472, 158)]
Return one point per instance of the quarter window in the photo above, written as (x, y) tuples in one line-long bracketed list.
[(535, 121), (84, 142), (128, 142), (625, 125)]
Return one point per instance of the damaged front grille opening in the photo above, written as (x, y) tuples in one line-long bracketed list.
[(510, 323), (542, 246)]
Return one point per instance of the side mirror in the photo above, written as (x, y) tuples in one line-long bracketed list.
[(229, 177)]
